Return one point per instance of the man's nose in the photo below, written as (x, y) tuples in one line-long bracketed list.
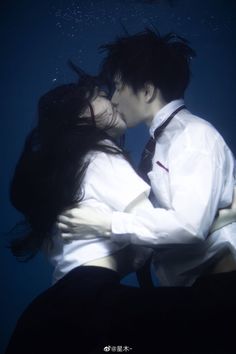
[(114, 100)]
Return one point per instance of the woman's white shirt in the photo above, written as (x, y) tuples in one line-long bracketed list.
[(110, 184)]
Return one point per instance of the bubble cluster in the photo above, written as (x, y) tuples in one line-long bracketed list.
[(79, 16), (81, 21)]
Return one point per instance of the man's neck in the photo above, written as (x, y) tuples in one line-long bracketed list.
[(154, 108)]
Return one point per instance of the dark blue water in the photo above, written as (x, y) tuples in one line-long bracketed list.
[(37, 39)]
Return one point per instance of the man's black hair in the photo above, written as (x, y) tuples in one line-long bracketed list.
[(148, 57)]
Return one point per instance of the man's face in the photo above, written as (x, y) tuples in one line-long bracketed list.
[(130, 105)]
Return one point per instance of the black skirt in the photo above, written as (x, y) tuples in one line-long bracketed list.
[(89, 311)]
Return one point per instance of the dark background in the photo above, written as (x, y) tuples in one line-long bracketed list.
[(37, 39)]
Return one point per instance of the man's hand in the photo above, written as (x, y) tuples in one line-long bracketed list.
[(225, 216), (84, 222)]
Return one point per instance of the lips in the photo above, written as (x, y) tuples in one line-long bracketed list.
[(121, 115)]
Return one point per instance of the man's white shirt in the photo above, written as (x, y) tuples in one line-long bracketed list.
[(193, 176)]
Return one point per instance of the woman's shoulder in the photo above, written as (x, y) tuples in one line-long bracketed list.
[(106, 151)]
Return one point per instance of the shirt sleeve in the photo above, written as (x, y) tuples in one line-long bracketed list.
[(111, 179), (198, 178)]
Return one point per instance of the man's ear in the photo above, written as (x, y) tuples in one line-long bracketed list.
[(149, 92)]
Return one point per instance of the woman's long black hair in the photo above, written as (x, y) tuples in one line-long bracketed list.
[(49, 174)]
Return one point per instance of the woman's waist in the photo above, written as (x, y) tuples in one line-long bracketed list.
[(127, 260), (65, 257)]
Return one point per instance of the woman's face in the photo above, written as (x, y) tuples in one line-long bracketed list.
[(106, 116)]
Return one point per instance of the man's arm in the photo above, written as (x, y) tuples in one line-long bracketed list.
[(225, 216), (197, 186), (81, 221), (78, 222), (196, 180)]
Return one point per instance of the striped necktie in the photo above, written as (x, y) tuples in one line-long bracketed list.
[(146, 159)]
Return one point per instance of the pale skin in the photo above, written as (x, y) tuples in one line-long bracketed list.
[(106, 115), (139, 107), (133, 108)]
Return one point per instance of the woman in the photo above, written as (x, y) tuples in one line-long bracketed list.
[(72, 157)]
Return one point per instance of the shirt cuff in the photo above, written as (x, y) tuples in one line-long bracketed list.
[(121, 226)]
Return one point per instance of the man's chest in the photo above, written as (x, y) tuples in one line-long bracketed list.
[(159, 176)]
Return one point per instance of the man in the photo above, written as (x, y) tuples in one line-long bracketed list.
[(192, 173)]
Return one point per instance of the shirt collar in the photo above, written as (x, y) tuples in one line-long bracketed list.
[(162, 115)]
